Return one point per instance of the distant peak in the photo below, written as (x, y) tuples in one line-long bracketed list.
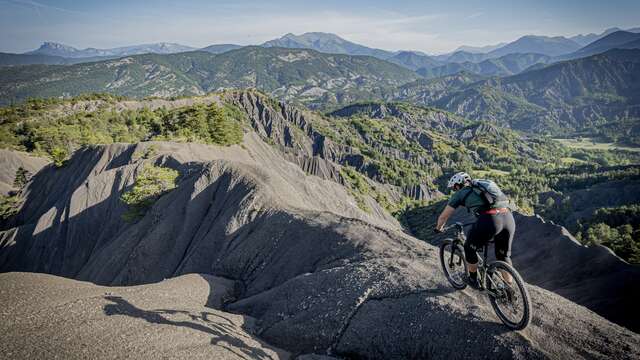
[(312, 34), (55, 45)]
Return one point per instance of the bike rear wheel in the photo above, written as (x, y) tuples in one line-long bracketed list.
[(453, 264), (514, 309)]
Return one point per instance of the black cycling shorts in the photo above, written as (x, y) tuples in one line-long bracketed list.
[(501, 227)]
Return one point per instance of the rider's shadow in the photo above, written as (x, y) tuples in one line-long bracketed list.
[(223, 329)]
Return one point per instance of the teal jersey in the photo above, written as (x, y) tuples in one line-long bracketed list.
[(474, 202)]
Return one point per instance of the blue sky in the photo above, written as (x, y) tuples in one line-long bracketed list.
[(429, 26)]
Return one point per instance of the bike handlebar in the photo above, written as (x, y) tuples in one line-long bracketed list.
[(458, 225)]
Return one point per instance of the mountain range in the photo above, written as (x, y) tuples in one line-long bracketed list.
[(331, 43), (559, 97), (526, 91), (553, 98), (475, 60), (308, 76)]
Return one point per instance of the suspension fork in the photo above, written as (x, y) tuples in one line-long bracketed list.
[(454, 246)]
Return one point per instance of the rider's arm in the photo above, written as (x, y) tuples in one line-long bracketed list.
[(444, 216)]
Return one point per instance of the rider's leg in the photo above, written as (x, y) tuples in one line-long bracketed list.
[(471, 256), (503, 241), (481, 232)]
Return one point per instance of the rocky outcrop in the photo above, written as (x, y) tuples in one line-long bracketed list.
[(292, 131), (421, 192), (317, 273), (418, 116)]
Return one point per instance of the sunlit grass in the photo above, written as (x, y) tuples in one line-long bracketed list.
[(591, 144)]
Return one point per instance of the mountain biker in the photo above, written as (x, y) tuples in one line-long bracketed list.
[(493, 221)]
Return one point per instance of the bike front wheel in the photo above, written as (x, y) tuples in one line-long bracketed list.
[(453, 263), (510, 301)]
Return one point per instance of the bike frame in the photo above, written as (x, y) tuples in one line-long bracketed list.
[(482, 269)]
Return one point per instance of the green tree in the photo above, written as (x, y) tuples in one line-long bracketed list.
[(21, 178), (222, 129)]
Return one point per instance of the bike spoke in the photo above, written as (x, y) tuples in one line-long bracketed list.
[(513, 309)]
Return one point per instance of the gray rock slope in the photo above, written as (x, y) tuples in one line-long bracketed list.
[(46, 317), (316, 272), (11, 161), (550, 257)]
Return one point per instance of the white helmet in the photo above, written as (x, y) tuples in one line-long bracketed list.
[(459, 178)]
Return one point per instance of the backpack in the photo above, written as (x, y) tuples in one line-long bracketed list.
[(488, 190)]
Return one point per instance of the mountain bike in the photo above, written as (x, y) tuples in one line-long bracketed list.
[(513, 306)]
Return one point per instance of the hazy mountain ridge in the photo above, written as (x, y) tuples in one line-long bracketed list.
[(413, 60), (586, 39), (550, 46), (479, 49), (614, 40), (220, 48), (8, 59), (66, 51), (528, 44), (506, 65)]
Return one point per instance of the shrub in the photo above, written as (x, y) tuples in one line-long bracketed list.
[(151, 183), (59, 156), (8, 206)]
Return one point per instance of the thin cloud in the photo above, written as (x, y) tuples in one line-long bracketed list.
[(474, 15), (37, 6)]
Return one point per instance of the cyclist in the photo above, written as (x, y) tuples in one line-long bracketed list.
[(493, 221)]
